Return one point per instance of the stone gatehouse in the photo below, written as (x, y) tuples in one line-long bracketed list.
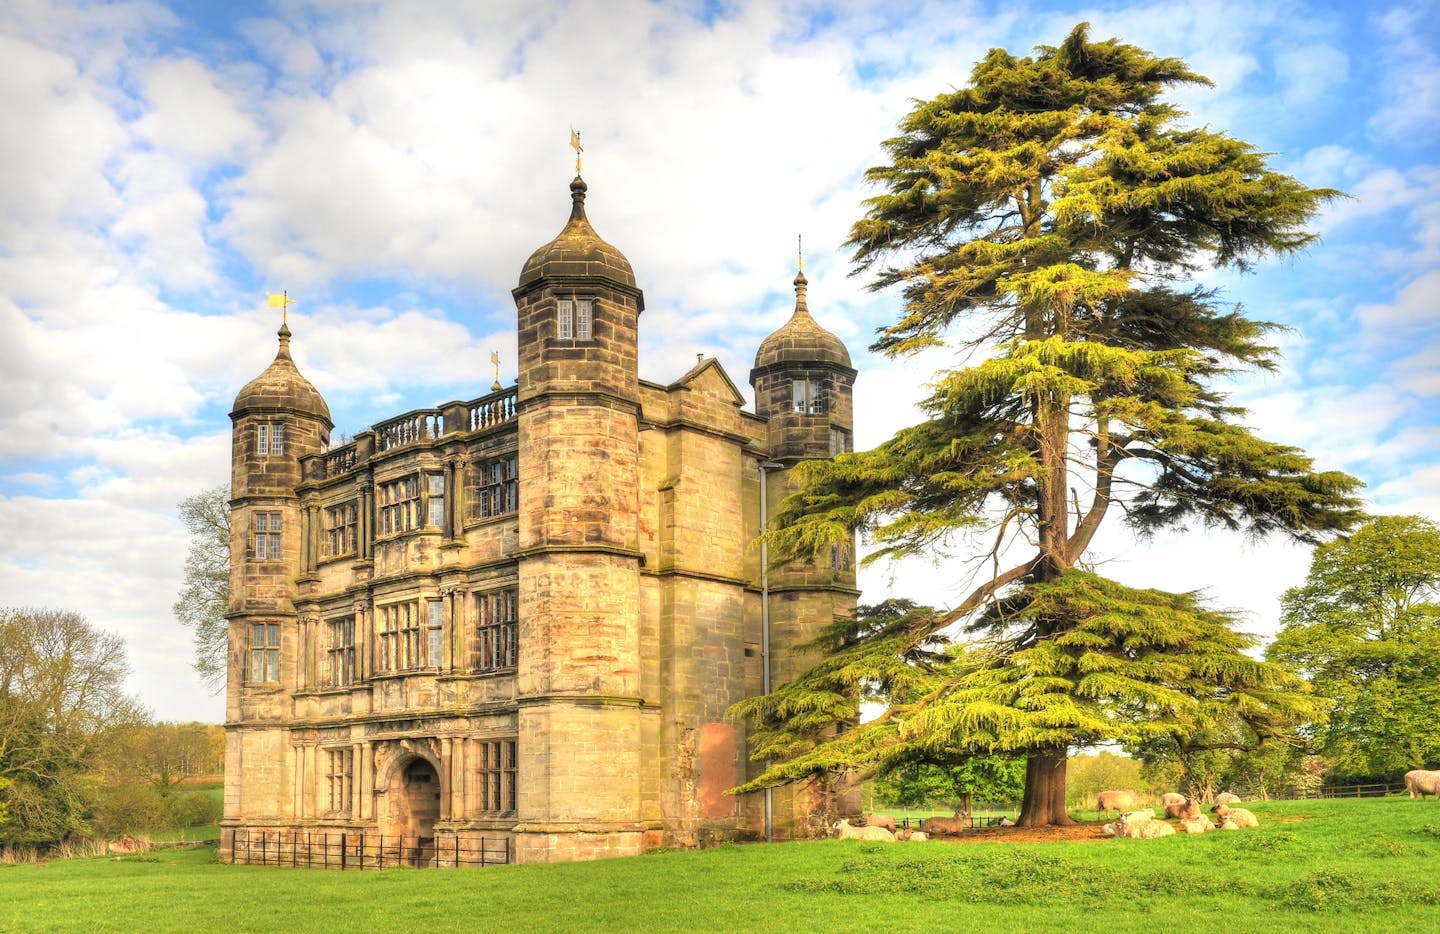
[(524, 616)]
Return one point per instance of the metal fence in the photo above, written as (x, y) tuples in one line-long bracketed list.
[(360, 850)]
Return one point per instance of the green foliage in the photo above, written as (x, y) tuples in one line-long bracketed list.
[(1365, 628), (992, 779), (195, 809), (61, 687), (1088, 775), (205, 597), (129, 808), (1050, 215)]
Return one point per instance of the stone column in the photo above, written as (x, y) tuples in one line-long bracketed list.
[(445, 784)]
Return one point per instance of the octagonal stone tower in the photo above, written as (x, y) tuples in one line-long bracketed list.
[(278, 418), (578, 557)]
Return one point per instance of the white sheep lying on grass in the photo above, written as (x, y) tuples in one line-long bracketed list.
[(880, 820), (1138, 825), (1226, 797), (944, 826), (1196, 823), (843, 831), (1240, 817), (1170, 798)]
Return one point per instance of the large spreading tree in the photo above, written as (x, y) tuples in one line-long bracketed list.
[(1049, 220)]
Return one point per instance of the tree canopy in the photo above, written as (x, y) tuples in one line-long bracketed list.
[(61, 688), (1051, 215), (205, 597), (1365, 628)]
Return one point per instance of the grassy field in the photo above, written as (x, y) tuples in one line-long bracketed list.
[(1318, 866)]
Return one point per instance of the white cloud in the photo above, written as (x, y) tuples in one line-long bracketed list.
[(1411, 86)]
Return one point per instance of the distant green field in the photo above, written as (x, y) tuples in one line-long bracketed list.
[(1313, 866)]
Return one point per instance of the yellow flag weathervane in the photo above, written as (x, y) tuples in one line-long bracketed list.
[(283, 301), (495, 359), (575, 145)]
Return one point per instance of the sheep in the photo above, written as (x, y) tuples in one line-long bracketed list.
[(1143, 828), (1240, 817), (1142, 814), (1227, 823), (844, 831), (1197, 823), (917, 835), (1423, 782), (1176, 809), (1226, 797), (1005, 822), (880, 820), (943, 826), (1169, 798), (1117, 801)]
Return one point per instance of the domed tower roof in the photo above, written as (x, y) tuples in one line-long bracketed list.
[(281, 387), (578, 250), (801, 339)]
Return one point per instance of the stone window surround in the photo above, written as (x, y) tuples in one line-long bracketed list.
[(495, 487), (808, 395), (341, 529), (402, 504), (575, 318), (270, 438), (265, 535), (263, 664)]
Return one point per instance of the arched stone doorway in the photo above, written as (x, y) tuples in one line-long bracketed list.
[(419, 809)]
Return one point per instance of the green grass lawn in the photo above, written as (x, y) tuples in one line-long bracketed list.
[(1313, 866)]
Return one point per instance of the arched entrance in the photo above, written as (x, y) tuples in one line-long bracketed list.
[(419, 810)]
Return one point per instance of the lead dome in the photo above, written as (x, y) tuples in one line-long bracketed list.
[(801, 339), (281, 388), (578, 250)]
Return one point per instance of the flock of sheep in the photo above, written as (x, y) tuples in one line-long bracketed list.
[(1134, 821), (882, 827), (1145, 825)]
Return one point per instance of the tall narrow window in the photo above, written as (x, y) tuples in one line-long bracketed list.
[(808, 396), (270, 438), (839, 558), (435, 494), (584, 316), (565, 319), (435, 628), (398, 637), (340, 524), (497, 630), (264, 652), (266, 545), (497, 776), (839, 441), (342, 651), (340, 777)]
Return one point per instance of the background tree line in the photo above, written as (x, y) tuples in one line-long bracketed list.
[(80, 757)]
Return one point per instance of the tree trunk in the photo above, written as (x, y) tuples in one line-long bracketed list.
[(1044, 804)]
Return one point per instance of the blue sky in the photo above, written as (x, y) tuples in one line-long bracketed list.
[(392, 164)]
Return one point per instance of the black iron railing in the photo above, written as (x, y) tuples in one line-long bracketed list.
[(362, 850)]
